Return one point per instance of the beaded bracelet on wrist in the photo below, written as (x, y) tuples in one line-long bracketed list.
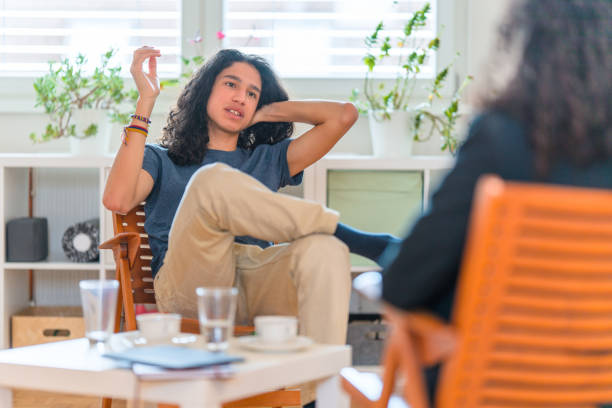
[(141, 118)]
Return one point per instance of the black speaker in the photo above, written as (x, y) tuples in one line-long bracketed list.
[(26, 240)]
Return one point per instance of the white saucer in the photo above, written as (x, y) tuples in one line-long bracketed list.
[(122, 341), (254, 343)]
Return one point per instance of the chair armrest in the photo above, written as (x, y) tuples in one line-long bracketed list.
[(416, 339), (434, 340), (124, 244)]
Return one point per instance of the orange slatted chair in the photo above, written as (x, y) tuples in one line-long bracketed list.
[(133, 256), (532, 322)]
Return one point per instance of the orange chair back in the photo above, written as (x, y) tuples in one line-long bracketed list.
[(141, 276), (533, 311)]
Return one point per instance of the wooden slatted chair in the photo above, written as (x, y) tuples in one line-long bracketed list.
[(133, 256), (532, 322)]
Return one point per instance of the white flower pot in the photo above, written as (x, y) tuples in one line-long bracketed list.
[(391, 137), (96, 145)]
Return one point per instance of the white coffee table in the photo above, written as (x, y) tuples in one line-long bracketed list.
[(72, 367)]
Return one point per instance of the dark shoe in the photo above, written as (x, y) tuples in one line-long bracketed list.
[(310, 405)]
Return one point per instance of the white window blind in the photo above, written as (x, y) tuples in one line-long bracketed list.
[(33, 32), (323, 38)]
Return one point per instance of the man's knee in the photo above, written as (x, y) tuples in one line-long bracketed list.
[(218, 180), (209, 176), (322, 253), (322, 244)]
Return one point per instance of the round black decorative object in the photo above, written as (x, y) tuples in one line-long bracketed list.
[(80, 241)]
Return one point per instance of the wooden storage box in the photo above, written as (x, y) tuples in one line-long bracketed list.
[(36, 325)]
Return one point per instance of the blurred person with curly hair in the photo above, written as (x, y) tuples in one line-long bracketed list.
[(551, 122)]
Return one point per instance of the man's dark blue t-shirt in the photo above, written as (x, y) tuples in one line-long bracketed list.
[(266, 163)]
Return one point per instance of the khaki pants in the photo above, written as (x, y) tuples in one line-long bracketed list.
[(308, 276)]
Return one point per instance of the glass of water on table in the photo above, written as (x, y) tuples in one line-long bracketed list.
[(216, 311)]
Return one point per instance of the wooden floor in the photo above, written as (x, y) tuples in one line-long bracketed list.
[(37, 399)]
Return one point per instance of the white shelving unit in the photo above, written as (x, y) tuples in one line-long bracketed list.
[(14, 284), (74, 191)]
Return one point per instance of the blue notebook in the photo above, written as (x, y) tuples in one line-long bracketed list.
[(173, 357)]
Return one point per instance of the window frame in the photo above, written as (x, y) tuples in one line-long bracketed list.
[(17, 94)]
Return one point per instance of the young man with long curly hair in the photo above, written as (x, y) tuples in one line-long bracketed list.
[(212, 209)]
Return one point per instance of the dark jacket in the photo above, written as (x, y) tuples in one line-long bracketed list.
[(422, 271)]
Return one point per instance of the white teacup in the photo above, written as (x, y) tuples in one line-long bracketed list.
[(159, 326), (276, 329)]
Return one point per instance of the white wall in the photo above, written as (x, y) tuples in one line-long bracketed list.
[(483, 17), (472, 35)]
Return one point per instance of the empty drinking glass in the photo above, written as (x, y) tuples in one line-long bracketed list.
[(99, 299), (216, 311)]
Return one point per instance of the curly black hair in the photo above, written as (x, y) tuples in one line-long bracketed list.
[(562, 88), (186, 132)]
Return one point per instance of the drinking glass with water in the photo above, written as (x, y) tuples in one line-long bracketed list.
[(216, 311)]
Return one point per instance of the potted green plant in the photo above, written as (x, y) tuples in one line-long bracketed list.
[(80, 105), (393, 110)]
